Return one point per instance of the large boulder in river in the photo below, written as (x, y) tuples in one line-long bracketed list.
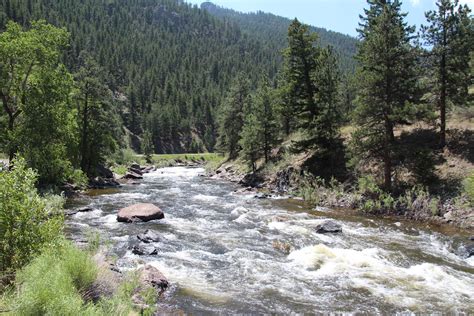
[(140, 212), (329, 227)]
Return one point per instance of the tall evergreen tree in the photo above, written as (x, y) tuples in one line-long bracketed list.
[(387, 81), (231, 118), (251, 138), (321, 127), (299, 66), (148, 148), (450, 34), (266, 125)]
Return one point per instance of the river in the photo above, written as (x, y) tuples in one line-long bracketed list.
[(219, 250)]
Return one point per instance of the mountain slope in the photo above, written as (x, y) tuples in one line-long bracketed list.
[(272, 31), (169, 63)]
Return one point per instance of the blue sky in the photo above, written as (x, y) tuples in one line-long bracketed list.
[(337, 15)]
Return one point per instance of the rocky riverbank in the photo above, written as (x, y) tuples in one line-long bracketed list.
[(293, 181)]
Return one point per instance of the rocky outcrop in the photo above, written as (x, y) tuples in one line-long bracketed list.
[(148, 237), (329, 227), (140, 212)]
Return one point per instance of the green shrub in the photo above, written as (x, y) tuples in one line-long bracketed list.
[(28, 222), (469, 188), (79, 178), (374, 199)]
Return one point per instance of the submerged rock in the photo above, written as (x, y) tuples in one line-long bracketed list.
[(144, 212), (148, 237), (78, 210), (143, 251), (329, 227)]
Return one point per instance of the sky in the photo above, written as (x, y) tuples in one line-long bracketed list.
[(337, 15)]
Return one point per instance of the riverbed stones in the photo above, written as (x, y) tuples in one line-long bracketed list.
[(144, 212), (148, 237), (329, 227)]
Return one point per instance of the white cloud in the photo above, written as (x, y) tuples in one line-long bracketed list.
[(415, 2)]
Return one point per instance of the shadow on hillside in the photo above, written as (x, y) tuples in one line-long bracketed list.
[(330, 163), (461, 143), (420, 154)]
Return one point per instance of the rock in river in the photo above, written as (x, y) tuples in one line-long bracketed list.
[(151, 276), (149, 237), (133, 176), (140, 212), (329, 227)]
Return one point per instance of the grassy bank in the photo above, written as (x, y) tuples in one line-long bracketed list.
[(41, 273)]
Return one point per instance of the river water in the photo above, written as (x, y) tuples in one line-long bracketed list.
[(219, 250)]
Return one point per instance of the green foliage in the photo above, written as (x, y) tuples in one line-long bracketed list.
[(28, 222), (78, 178), (147, 146), (35, 98), (231, 118), (374, 199), (52, 283), (260, 130), (387, 83), (250, 140), (98, 136), (469, 188), (450, 33)]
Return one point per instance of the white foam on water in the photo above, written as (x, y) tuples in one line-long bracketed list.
[(176, 172), (413, 287), (110, 221), (238, 211), (287, 228), (92, 214), (205, 198), (127, 196)]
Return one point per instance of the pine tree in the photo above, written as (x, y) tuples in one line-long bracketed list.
[(231, 118), (321, 128), (250, 140), (450, 34), (266, 121), (300, 64), (387, 82), (148, 148)]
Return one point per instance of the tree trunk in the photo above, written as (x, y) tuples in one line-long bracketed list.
[(442, 97), (387, 159)]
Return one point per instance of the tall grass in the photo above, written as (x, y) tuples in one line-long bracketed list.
[(53, 283)]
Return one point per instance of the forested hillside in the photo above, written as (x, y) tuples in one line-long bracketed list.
[(168, 63), (272, 30)]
